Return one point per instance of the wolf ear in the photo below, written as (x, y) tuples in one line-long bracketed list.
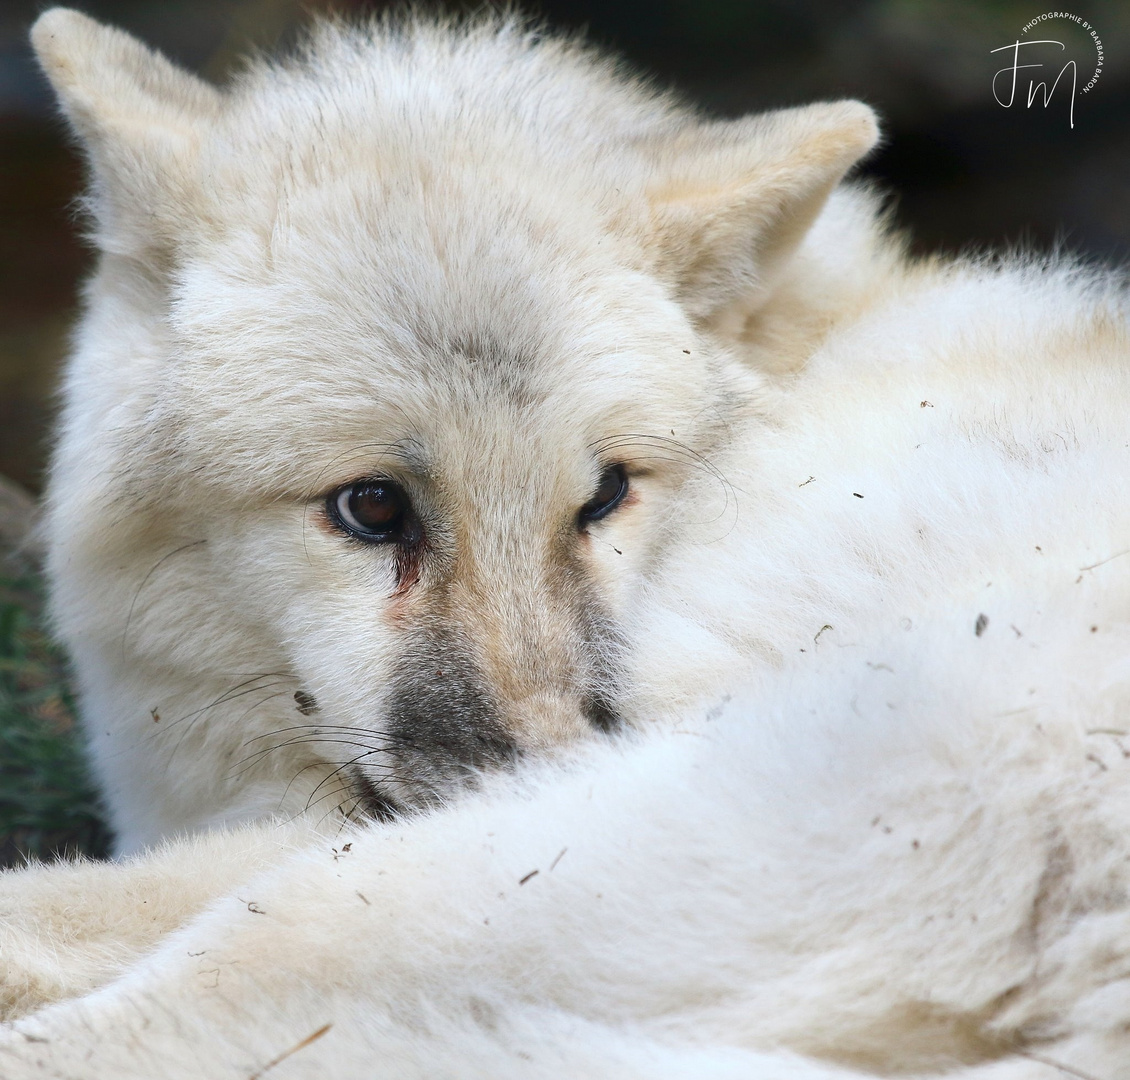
[(139, 118), (732, 200)]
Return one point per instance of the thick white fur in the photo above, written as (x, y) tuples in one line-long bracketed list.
[(480, 264), (893, 858), (882, 828)]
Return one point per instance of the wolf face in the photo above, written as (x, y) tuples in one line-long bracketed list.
[(398, 384)]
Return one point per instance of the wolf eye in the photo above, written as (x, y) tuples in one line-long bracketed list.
[(378, 511), (612, 488)]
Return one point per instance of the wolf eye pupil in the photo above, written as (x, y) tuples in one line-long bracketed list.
[(372, 510), (609, 488), (612, 488)]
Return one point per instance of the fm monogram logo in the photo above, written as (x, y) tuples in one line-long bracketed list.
[(1051, 65)]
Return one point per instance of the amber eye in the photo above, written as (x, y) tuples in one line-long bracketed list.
[(610, 491), (378, 511)]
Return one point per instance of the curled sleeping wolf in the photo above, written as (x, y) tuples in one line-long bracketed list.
[(444, 398)]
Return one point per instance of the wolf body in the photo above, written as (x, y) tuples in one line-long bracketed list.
[(859, 616), (907, 857)]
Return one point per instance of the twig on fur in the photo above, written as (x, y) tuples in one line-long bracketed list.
[(1103, 562), (1052, 1063), (313, 1037)]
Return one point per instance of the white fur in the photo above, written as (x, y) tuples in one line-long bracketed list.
[(464, 259), (894, 859), (882, 826)]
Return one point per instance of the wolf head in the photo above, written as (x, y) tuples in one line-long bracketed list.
[(393, 392)]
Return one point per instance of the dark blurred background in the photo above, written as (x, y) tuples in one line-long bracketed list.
[(967, 171)]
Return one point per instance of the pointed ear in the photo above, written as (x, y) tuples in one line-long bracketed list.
[(731, 201), (140, 120)]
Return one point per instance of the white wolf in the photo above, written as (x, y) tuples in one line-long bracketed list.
[(395, 387), (484, 399)]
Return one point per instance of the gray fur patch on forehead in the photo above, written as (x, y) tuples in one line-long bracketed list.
[(516, 371)]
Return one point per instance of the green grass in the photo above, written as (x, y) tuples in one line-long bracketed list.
[(48, 807)]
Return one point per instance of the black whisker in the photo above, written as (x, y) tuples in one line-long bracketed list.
[(312, 738), (341, 766), (232, 694)]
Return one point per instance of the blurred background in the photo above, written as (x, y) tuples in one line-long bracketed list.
[(966, 171)]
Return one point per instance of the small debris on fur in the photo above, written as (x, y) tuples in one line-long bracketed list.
[(1052, 1063), (306, 704), (808, 481), (1103, 562), (857, 495), (560, 856), (156, 716), (532, 873), (364, 899), (313, 1037), (1013, 628), (980, 624), (826, 626), (253, 907), (925, 404)]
